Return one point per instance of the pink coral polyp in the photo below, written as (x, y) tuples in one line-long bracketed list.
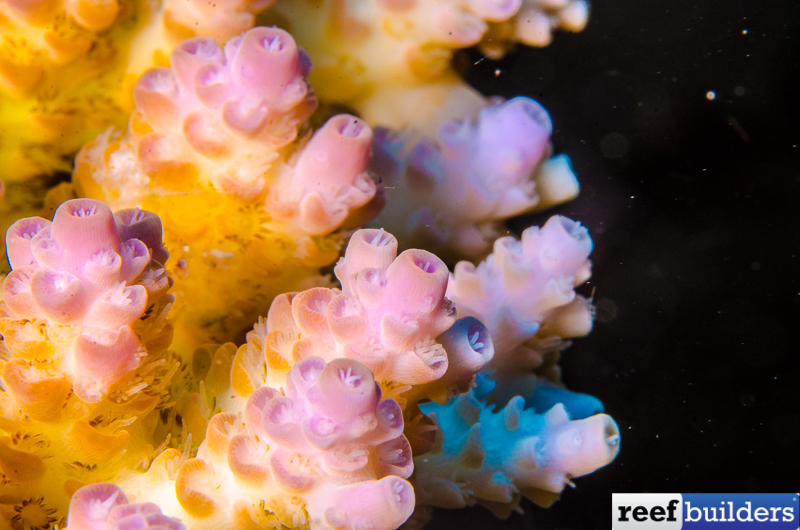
[(18, 241), (344, 393), (267, 60), (60, 296), (108, 357), (83, 227)]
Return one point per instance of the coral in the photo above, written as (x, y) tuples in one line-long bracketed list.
[(391, 314), (214, 117), (391, 59), (67, 71), (496, 458), (525, 294), (452, 195), (20, 199), (318, 420), (533, 25), (325, 453), (50, 52), (304, 438), (67, 67), (249, 210), (94, 272), (84, 352)]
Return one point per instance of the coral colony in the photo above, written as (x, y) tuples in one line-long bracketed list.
[(236, 313)]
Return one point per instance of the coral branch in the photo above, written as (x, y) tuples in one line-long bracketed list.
[(67, 67), (496, 458), (85, 333), (208, 113), (213, 149), (79, 271), (326, 453), (452, 195), (391, 315), (524, 292), (533, 25), (391, 60)]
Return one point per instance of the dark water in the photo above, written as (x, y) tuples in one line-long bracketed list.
[(693, 205)]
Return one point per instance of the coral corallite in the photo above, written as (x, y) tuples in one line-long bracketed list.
[(85, 338)]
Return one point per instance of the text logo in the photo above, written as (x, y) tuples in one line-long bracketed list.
[(674, 511)]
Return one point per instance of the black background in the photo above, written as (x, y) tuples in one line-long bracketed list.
[(692, 204)]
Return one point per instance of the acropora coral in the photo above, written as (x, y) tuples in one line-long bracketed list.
[(390, 314), (195, 360), (525, 294), (304, 438), (67, 70), (67, 66)]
